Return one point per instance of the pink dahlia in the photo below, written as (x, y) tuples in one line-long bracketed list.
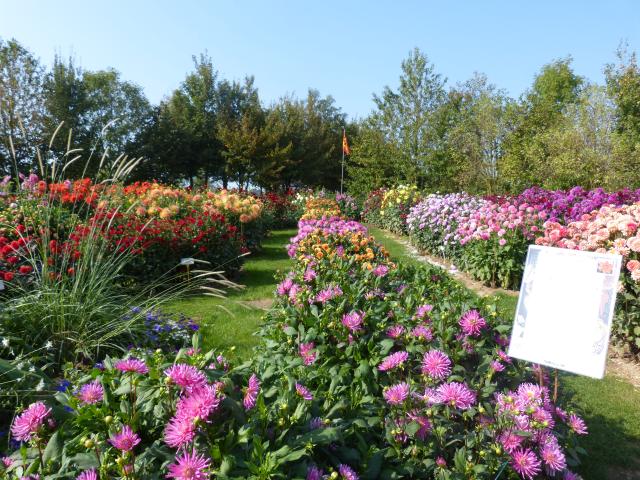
[(309, 275), (187, 377), (525, 462), (353, 321), (422, 332), (27, 424), (577, 424), (510, 441), (436, 364), (125, 440), (314, 473), (553, 457), (496, 366), (472, 323), (200, 403), (91, 393), (423, 310), (456, 395), (180, 431), (307, 353), (132, 365), (395, 331), (396, 394), (88, 475), (284, 286), (251, 393), (189, 466), (303, 392), (347, 473), (380, 270), (393, 361)]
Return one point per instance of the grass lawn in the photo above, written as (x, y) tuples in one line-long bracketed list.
[(611, 407), (230, 323)]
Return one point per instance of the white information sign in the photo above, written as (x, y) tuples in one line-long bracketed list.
[(187, 261), (565, 309)]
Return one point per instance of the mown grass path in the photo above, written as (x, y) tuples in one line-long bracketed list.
[(231, 322), (611, 407)]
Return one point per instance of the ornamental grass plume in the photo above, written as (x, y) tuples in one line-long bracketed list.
[(125, 440), (29, 422), (189, 466)]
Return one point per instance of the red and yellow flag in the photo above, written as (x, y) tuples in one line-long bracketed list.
[(345, 145)]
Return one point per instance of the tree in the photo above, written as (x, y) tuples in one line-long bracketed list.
[(623, 85), (240, 120), (478, 133), (409, 118), (21, 107), (65, 111), (525, 162), (192, 110)]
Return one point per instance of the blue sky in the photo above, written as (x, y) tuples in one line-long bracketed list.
[(349, 49)]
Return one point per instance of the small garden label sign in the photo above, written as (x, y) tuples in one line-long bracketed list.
[(565, 309)]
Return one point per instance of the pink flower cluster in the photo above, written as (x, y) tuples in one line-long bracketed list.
[(197, 402), (500, 219), (528, 417), (608, 230), (327, 226)]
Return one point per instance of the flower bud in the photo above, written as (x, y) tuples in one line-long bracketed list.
[(88, 443)]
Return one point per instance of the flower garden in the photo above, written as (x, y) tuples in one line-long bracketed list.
[(488, 237), (364, 367)]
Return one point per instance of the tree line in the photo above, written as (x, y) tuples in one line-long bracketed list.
[(210, 129), (563, 131)]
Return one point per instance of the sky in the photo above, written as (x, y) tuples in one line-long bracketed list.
[(347, 49)]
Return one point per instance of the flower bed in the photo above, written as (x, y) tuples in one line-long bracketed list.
[(157, 224), (366, 370)]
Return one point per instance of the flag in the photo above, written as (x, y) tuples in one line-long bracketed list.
[(345, 145)]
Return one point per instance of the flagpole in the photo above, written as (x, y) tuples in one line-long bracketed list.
[(342, 172)]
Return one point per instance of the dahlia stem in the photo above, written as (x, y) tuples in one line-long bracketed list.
[(41, 457)]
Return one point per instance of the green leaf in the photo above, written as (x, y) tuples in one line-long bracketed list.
[(53, 449)]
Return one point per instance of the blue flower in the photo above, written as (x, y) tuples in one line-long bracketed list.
[(63, 386)]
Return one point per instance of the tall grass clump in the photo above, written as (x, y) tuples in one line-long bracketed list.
[(69, 296)]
